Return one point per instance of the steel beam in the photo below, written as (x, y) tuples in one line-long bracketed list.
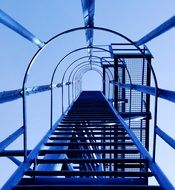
[(11, 138), (159, 175), (169, 140), (18, 174), (7, 96), (88, 7), (89, 173), (157, 31), (162, 93), (18, 28), (14, 160), (90, 160)]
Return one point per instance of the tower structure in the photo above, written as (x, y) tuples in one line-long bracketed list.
[(101, 140)]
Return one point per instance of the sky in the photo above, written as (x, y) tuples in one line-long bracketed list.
[(45, 19)]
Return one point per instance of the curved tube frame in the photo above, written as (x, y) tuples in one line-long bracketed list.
[(85, 66), (54, 72), (82, 73), (71, 74), (76, 73), (80, 59), (73, 71), (61, 34)]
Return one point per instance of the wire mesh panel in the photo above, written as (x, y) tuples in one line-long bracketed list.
[(134, 104)]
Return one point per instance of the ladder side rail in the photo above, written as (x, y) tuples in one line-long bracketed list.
[(160, 176), (18, 174)]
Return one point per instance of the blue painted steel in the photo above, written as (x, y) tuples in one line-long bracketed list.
[(165, 137), (31, 63), (78, 78), (7, 96), (18, 174), (53, 167), (164, 94), (14, 25), (159, 175), (54, 72), (157, 31), (82, 71), (88, 7), (69, 79), (81, 63), (11, 138), (14, 160)]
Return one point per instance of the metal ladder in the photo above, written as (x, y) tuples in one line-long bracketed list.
[(90, 149)]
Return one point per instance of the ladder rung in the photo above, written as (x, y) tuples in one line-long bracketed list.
[(89, 173), (89, 122), (90, 143), (84, 151), (119, 165), (99, 124), (87, 187), (89, 132), (90, 138), (74, 128), (79, 160)]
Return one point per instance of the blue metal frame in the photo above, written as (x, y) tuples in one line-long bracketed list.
[(157, 31), (163, 94), (11, 95), (11, 138), (79, 77), (28, 159), (82, 73), (17, 175), (56, 68), (73, 71), (88, 7), (159, 175), (15, 26)]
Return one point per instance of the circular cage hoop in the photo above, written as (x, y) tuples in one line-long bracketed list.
[(61, 34), (79, 29), (97, 57)]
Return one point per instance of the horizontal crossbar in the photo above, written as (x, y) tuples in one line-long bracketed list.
[(89, 173), (71, 160), (85, 151), (90, 138), (90, 143)]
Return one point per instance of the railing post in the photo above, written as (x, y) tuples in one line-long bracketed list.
[(25, 125), (116, 80), (62, 94)]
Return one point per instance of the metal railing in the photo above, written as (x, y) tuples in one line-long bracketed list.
[(25, 91)]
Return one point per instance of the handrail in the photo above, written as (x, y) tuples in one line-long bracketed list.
[(11, 95)]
